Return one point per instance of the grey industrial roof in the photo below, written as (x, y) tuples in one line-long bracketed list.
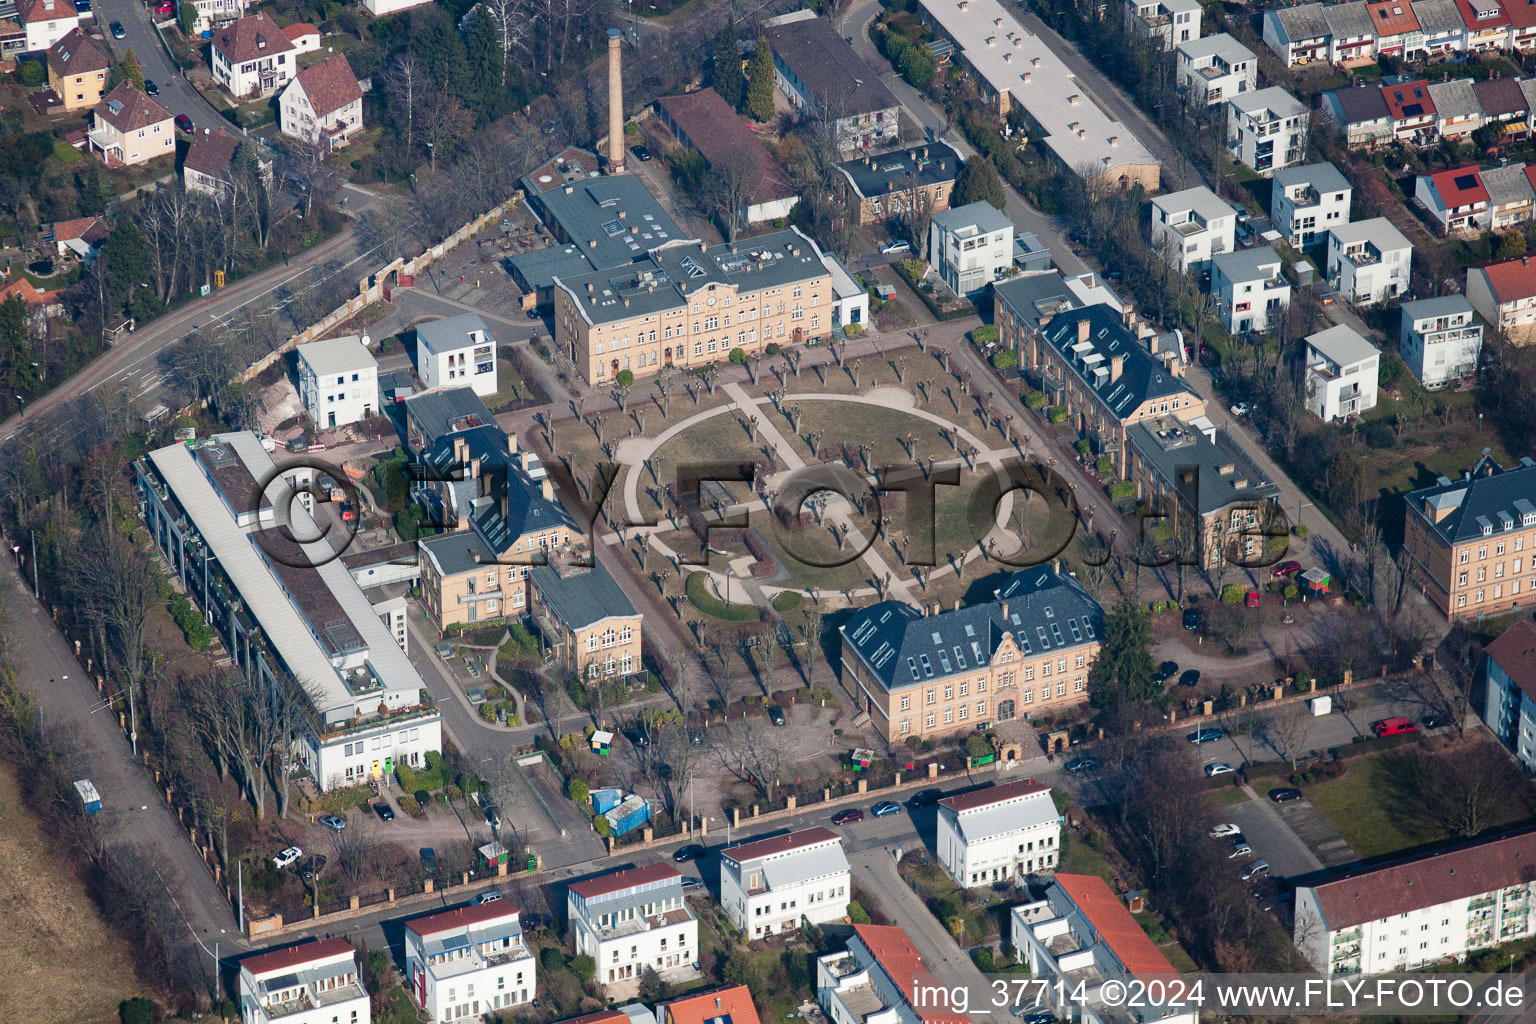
[(1443, 305), (916, 166), (1324, 177), (1488, 495), (458, 552), (451, 333), (1507, 183), (675, 271), (1360, 103), (1142, 375), (1304, 22), (834, 74), (903, 647), (1351, 19), (1035, 297), (1199, 200), (337, 355), (981, 215), (1185, 455), (445, 410), (1342, 345), (1248, 264), (1454, 98), (1438, 16), (539, 268), (613, 220), (581, 598), (1220, 45)]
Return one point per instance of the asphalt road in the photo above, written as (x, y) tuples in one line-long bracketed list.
[(176, 93)]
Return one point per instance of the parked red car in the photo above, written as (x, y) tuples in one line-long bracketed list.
[(847, 817), (1251, 599), (1286, 569), (1393, 726)]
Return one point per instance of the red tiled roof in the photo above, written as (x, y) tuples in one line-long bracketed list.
[(1460, 186), (298, 30), (1392, 17), (76, 54), (127, 109), (734, 1002), (330, 84), (1530, 174), (293, 956), (254, 36), (615, 881), (89, 229), (713, 128), (600, 1017), (993, 795), (1469, 14), (1511, 279), (779, 844), (1409, 100), (1116, 927), (460, 917), (28, 11), (1521, 15), (894, 951), (1427, 881), (29, 293), (211, 154), (1515, 651)]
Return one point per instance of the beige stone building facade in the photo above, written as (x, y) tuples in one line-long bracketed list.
[(687, 304)]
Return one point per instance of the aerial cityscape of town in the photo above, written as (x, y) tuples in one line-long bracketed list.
[(782, 512)]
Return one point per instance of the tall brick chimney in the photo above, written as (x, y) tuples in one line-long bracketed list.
[(615, 103)]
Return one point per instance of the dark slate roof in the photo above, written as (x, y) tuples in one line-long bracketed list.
[(1142, 375), (458, 552), (902, 169), (834, 74), (538, 268), (1034, 298), (583, 597), (1215, 468), (1490, 497), (446, 410), (1501, 97), (1047, 611), (613, 220), (1360, 104)]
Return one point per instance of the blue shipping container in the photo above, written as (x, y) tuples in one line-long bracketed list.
[(605, 800), (631, 814)]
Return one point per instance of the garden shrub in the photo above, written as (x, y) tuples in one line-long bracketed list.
[(1034, 400), (1058, 414), (1121, 489), (1232, 593)]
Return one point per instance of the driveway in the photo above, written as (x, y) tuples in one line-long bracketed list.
[(1269, 833)]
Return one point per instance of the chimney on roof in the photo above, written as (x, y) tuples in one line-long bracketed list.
[(957, 604), (547, 488), (474, 468), (1005, 609), (460, 450), (1152, 344), (512, 443), (925, 152), (1116, 366), (1056, 567), (1082, 329)]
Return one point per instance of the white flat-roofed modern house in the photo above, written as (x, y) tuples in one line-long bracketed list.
[(1216, 68), (1170, 21), (998, 834), (289, 613), (1342, 371), (1369, 261), (1191, 226), (1266, 130), (1440, 339), (338, 381), (773, 885), (1307, 201), (970, 246), (470, 962), (875, 981), (1509, 679), (1251, 292), (311, 983), (456, 352), (631, 920), (1082, 938), (1418, 912)]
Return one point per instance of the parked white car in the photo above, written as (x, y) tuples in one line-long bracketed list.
[(1225, 829), (287, 857)]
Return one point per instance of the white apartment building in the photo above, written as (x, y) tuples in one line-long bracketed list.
[(466, 963), (45, 22), (456, 352), (629, 920), (338, 381), (998, 834), (1369, 261), (252, 57), (1171, 21), (1509, 679), (1440, 339), (1082, 937), (1251, 292), (1216, 68), (1191, 226), (873, 980), (1342, 370), (772, 885), (1266, 130), (970, 247), (311, 983), (213, 13), (379, 8), (1307, 201), (1420, 912), (1505, 294), (286, 608), (323, 105)]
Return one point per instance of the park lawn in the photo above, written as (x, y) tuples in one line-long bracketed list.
[(1082, 859), (1228, 797), (1353, 804), (510, 386)]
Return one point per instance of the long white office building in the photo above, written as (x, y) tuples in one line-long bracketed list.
[(1014, 68), (226, 518), (773, 885), (998, 834), (1418, 912)]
